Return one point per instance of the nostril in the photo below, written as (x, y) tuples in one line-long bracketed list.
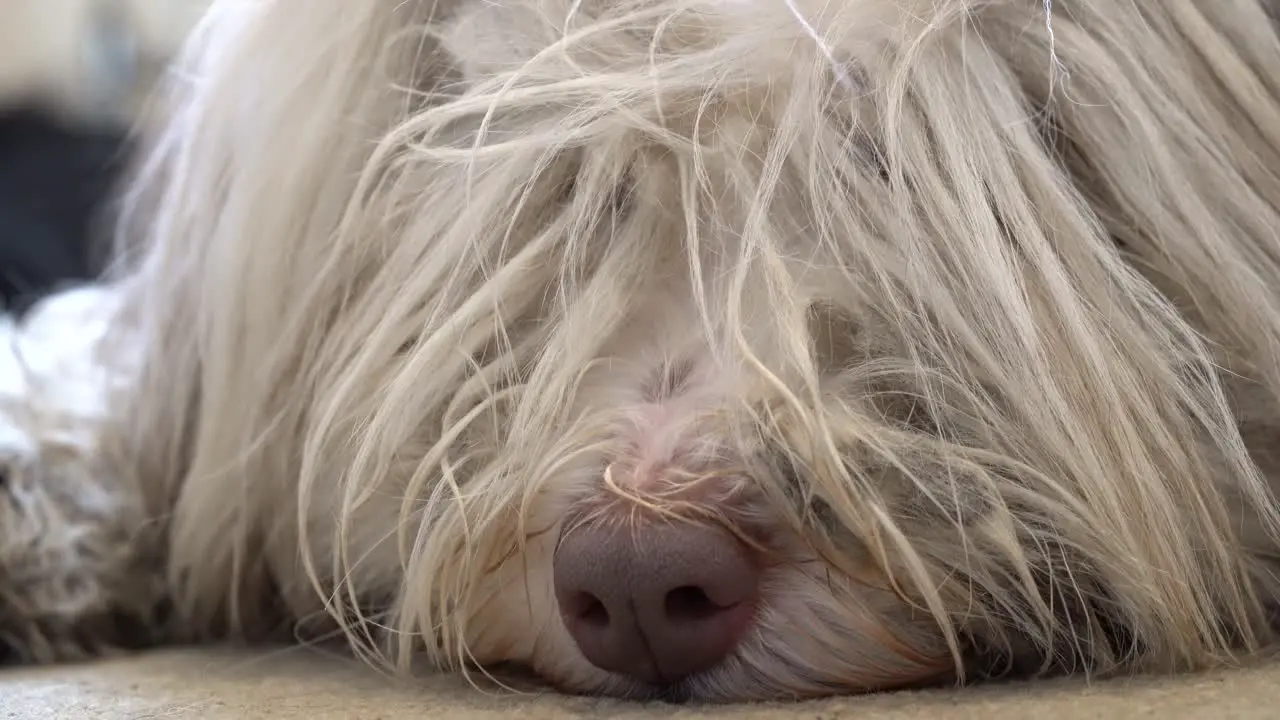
[(587, 609), (690, 604)]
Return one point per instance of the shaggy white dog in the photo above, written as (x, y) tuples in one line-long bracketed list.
[(678, 348)]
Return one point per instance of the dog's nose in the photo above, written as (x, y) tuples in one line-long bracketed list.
[(655, 601)]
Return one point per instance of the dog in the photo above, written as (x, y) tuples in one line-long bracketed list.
[(695, 350)]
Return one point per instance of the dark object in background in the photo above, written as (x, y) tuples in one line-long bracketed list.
[(57, 179)]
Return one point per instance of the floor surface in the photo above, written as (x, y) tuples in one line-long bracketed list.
[(304, 685)]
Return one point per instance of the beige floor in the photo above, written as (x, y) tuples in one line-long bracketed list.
[(304, 686)]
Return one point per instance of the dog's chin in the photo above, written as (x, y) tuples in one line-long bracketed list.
[(814, 636)]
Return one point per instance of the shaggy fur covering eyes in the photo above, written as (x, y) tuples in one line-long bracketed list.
[(964, 314)]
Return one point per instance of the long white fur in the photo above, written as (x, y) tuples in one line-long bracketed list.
[(988, 341)]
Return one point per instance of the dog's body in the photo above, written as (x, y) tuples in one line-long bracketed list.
[(942, 336)]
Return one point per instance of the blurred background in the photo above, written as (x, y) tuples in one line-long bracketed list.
[(75, 80)]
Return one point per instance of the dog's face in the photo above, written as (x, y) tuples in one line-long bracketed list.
[(799, 492), (681, 465), (810, 505), (679, 547), (699, 529)]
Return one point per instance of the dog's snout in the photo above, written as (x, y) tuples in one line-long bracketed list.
[(655, 601)]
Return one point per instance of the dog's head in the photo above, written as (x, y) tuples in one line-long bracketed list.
[(729, 350)]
